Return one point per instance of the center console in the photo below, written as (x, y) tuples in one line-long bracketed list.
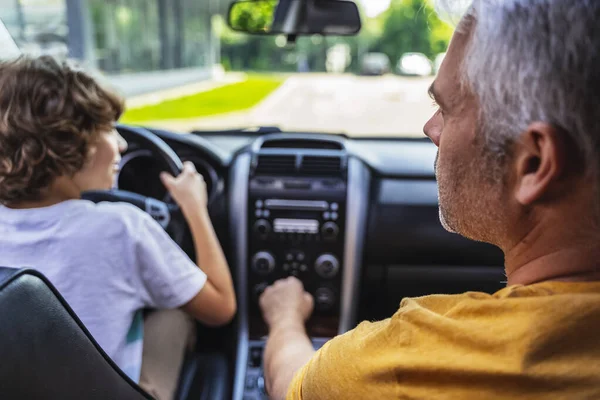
[(298, 209), (296, 227)]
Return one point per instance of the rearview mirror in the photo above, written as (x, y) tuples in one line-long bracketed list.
[(295, 17)]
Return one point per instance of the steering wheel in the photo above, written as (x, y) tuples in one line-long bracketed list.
[(168, 215)]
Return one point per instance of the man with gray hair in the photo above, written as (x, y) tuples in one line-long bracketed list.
[(518, 166)]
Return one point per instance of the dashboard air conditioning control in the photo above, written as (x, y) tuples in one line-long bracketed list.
[(262, 228), (327, 266), (263, 263), (324, 299), (258, 290), (330, 231)]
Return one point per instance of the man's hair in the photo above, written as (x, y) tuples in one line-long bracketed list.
[(50, 114), (535, 60)]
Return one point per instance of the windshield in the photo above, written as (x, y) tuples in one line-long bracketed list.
[(180, 67)]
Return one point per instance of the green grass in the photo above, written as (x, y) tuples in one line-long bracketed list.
[(235, 97)]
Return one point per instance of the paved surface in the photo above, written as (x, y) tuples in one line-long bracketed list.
[(366, 106)]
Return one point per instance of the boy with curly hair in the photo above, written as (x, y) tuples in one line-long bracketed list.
[(110, 260)]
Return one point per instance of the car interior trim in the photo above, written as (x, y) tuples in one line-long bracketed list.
[(154, 143), (238, 199), (159, 211), (359, 178), (126, 159), (408, 192)]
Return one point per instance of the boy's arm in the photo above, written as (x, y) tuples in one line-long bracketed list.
[(215, 304)]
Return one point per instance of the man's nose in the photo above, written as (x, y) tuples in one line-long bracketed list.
[(432, 131)]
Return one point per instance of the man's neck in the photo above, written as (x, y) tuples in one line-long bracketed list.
[(553, 253)]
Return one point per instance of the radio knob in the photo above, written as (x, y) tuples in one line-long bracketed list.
[(324, 299), (258, 290), (263, 263), (262, 228), (327, 266), (330, 230)]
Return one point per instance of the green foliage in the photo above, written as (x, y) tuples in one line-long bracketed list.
[(408, 26), (412, 26), (235, 97), (253, 16)]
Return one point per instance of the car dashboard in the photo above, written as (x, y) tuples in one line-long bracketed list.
[(356, 220)]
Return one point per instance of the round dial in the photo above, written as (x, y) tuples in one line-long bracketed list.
[(263, 263), (327, 266)]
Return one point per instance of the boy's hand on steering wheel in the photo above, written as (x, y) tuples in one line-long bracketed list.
[(188, 189)]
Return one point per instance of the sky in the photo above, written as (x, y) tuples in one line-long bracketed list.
[(375, 7)]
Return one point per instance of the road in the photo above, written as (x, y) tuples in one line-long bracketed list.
[(359, 106)]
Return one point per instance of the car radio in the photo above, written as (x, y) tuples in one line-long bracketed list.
[(296, 228)]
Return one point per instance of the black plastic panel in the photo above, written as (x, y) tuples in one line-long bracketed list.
[(386, 286), (404, 228)]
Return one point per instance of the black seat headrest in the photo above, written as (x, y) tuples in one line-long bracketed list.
[(45, 350)]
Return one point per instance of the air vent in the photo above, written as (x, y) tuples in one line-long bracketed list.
[(322, 165), (272, 164), (302, 144)]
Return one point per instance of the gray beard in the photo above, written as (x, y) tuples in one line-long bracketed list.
[(445, 224), (443, 220)]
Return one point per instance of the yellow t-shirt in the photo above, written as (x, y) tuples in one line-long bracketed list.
[(524, 342)]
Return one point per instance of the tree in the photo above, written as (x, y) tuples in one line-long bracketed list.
[(253, 16), (409, 25), (412, 26)]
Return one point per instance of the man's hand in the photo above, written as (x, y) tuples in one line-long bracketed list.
[(286, 307), (286, 302), (188, 189)]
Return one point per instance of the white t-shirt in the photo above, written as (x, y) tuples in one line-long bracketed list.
[(109, 261)]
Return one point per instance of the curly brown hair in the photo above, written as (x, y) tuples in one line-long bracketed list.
[(50, 114)]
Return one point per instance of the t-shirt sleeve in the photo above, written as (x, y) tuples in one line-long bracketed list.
[(166, 276), (333, 372)]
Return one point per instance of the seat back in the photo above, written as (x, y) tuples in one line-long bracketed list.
[(46, 352)]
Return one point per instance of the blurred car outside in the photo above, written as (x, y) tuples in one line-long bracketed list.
[(414, 64), (375, 64)]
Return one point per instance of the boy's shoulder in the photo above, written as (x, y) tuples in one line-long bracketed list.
[(114, 216), (115, 210)]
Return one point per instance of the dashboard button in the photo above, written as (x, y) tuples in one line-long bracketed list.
[(334, 206), (260, 383), (324, 298), (327, 266), (258, 204), (250, 382), (330, 231), (255, 359), (263, 263), (258, 290), (262, 228)]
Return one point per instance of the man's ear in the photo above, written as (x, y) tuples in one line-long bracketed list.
[(540, 160)]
